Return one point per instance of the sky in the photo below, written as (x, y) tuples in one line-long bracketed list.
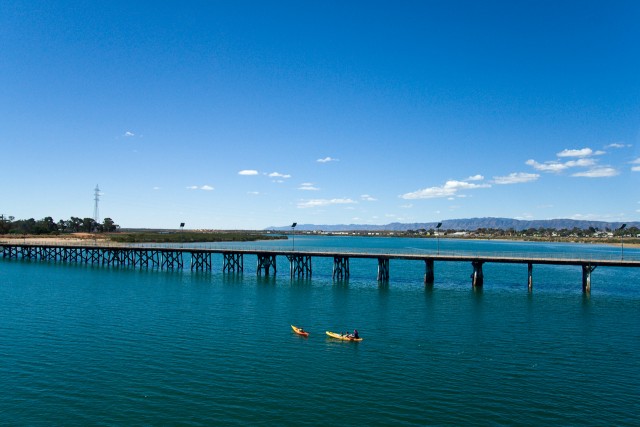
[(246, 115)]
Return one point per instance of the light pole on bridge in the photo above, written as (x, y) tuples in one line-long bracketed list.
[(622, 227), (293, 230)]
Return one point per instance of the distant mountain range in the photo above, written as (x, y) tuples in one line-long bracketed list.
[(469, 224)]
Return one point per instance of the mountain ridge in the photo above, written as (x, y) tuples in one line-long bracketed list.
[(468, 224)]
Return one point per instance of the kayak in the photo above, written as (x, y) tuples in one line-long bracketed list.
[(342, 337), (299, 331)]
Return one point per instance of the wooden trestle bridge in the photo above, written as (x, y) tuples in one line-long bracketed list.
[(200, 259)]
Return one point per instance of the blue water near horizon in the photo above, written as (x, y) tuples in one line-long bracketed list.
[(110, 346)]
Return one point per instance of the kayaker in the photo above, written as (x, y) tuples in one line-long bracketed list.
[(355, 334)]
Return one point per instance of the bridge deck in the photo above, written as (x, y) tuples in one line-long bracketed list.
[(532, 258)]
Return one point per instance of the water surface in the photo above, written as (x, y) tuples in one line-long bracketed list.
[(96, 345)]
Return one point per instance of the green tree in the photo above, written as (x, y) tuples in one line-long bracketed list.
[(89, 225), (5, 224), (74, 224), (108, 225)]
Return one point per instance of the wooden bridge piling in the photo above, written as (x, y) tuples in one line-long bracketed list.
[(383, 269), (299, 265), (172, 260), (232, 262), (340, 267), (200, 261), (265, 263)]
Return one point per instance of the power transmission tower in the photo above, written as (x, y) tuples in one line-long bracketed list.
[(96, 198)]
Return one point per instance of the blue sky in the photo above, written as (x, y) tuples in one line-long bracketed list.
[(228, 115)]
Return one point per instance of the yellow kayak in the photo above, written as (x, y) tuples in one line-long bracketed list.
[(342, 337), (300, 331)]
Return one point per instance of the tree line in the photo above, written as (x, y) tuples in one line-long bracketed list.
[(47, 225)]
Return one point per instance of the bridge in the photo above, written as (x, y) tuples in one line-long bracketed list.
[(300, 261)]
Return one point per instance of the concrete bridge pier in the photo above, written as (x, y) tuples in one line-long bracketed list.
[(383, 269), (587, 269), (530, 277), (429, 276), (477, 278)]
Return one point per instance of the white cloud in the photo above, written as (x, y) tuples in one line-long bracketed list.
[(515, 178), (580, 163), (407, 206), (156, 188), (547, 166), (308, 186), (617, 145), (555, 166), (327, 160), (204, 187), (636, 161), (475, 178), (583, 152), (278, 175), (635, 169), (368, 198), (248, 172), (599, 172), (449, 189), (315, 203), (253, 193), (128, 134)]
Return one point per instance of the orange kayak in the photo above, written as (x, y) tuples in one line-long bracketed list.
[(299, 331)]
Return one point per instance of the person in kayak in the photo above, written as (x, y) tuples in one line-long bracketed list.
[(355, 334)]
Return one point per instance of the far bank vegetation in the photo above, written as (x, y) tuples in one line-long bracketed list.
[(86, 228)]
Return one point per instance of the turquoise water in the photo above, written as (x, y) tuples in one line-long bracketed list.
[(109, 346)]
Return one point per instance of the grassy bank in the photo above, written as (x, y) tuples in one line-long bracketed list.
[(190, 237)]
